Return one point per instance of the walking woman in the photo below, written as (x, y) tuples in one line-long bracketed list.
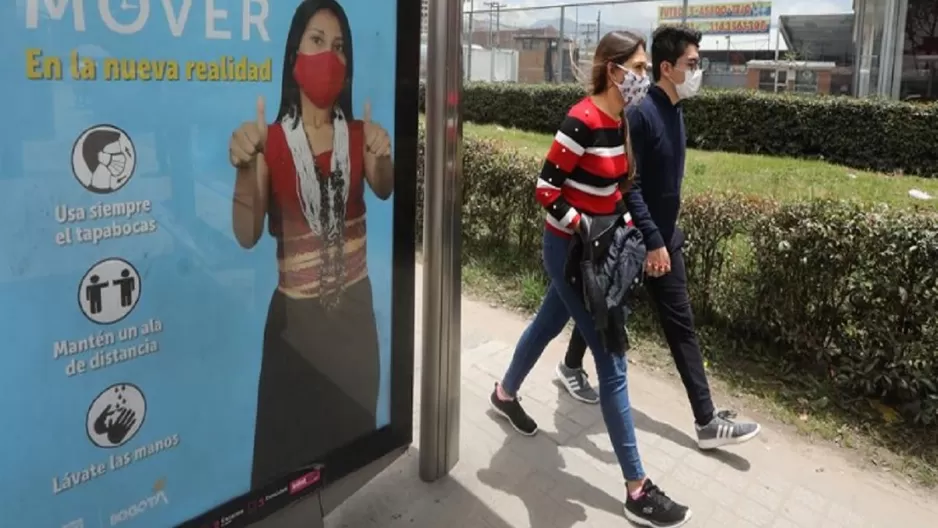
[(588, 166), (306, 174)]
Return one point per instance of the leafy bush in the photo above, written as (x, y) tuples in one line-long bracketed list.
[(846, 292), (853, 290), (863, 133)]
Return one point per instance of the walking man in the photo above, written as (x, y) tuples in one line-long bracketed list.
[(659, 140)]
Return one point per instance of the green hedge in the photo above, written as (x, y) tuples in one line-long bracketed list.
[(862, 133), (847, 292)]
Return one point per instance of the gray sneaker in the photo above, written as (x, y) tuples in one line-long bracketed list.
[(577, 383), (722, 430)]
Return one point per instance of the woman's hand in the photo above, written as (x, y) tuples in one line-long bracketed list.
[(249, 139), (379, 169), (252, 184), (377, 140)]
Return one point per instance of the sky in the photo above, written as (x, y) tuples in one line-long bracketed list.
[(643, 16)]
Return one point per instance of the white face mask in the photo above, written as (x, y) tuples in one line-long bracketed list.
[(633, 87), (691, 85)]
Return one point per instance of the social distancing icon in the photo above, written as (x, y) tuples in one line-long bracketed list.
[(109, 291), (103, 159), (115, 415)]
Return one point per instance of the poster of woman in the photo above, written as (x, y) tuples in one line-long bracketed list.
[(306, 175), (210, 207)]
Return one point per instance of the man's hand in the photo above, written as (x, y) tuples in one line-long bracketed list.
[(658, 262)]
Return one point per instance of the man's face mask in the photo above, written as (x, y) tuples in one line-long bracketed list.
[(691, 85), (113, 159)]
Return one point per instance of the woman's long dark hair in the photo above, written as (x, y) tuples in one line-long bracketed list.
[(290, 90)]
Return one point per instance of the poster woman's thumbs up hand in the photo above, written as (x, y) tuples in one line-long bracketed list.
[(379, 169), (377, 140), (249, 139)]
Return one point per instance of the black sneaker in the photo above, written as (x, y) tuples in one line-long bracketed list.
[(511, 410), (655, 509), (722, 430)]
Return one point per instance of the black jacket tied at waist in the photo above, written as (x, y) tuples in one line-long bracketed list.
[(605, 265)]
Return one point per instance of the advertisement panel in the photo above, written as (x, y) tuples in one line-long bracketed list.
[(209, 209), (731, 27), (737, 18), (673, 13)]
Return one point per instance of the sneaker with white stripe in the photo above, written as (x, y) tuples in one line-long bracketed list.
[(577, 383), (722, 430)]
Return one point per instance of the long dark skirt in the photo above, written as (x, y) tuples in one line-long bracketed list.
[(319, 381)]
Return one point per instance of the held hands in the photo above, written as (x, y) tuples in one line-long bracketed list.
[(377, 140), (249, 139), (658, 262)]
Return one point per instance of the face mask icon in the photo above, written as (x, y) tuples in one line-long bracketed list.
[(114, 159), (103, 159)]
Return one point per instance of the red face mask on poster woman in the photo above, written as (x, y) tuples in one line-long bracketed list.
[(321, 77)]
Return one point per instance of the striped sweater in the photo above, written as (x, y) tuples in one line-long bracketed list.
[(583, 170)]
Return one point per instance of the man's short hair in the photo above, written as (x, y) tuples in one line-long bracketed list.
[(669, 42)]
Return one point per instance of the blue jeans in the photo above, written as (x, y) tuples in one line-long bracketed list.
[(560, 304)]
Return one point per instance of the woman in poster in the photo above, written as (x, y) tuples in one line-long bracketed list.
[(306, 174)]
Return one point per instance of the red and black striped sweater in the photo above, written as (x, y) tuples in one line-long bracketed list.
[(584, 167)]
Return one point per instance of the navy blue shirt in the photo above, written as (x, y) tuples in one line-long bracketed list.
[(659, 144)]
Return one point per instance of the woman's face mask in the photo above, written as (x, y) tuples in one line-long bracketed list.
[(321, 76), (633, 87)]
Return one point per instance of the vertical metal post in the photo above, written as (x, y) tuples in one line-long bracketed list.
[(599, 25), (498, 25), (491, 6), (472, 9), (729, 53), (684, 13), (560, 46), (901, 19), (778, 32), (495, 33), (442, 245), (887, 54)]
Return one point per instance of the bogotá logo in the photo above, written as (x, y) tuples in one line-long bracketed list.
[(157, 498)]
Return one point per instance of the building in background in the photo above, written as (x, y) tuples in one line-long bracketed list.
[(538, 52), (918, 79), (885, 48)]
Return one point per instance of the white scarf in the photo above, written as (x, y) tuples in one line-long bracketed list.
[(307, 183)]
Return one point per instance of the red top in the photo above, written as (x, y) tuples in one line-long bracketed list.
[(298, 249), (584, 166)]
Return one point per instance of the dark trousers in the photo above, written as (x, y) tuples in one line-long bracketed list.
[(669, 293), (319, 381)]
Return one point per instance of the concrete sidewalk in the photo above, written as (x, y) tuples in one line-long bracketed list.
[(567, 477)]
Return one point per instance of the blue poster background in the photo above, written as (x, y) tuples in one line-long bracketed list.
[(209, 295)]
